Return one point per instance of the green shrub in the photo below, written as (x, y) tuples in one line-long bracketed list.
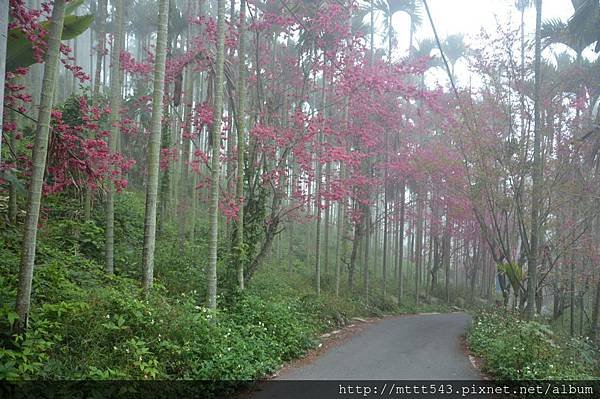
[(85, 324), (515, 349)]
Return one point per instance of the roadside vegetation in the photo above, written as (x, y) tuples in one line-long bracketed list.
[(515, 349), (89, 325)]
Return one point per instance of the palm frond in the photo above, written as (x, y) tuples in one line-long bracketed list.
[(522, 5), (585, 23), (455, 47)]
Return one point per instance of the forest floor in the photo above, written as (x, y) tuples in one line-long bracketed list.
[(427, 346)]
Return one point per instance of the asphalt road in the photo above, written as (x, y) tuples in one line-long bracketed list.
[(415, 347)]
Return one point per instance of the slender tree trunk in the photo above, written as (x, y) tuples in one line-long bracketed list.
[(401, 244), (40, 149), (186, 194), (446, 260), (115, 106), (418, 247), (318, 225), (154, 147), (341, 236), (366, 243), (101, 45), (385, 242), (394, 234), (595, 313), (241, 114), (3, 35), (327, 220), (213, 211), (13, 208), (376, 236), (536, 174), (101, 19)]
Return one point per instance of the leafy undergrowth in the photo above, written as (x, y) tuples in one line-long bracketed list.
[(85, 324), (514, 349)]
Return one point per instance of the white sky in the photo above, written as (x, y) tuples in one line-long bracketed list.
[(469, 16)]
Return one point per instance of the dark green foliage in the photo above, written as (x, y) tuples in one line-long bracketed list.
[(514, 349), (19, 49), (88, 325)]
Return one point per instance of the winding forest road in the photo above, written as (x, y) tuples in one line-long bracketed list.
[(413, 347)]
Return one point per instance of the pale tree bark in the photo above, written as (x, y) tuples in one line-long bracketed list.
[(3, 35), (384, 265), (101, 44), (326, 220), (241, 127), (194, 178), (595, 313), (115, 110), (154, 147), (319, 177), (101, 18), (184, 187), (13, 208), (215, 133), (366, 244), (341, 235), (318, 224), (418, 246), (40, 149), (188, 102), (401, 243), (536, 173)]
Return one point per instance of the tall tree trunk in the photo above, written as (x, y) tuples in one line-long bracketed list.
[(326, 220), (401, 244), (385, 241), (213, 210), (366, 243), (40, 149), (3, 34), (187, 195), (318, 224), (100, 49), (241, 114), (115, 106), (154, 147), (446, 262), (13, 208), (341, 237), (595, 313), (101, 20), (536, 173), (418, 247)]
